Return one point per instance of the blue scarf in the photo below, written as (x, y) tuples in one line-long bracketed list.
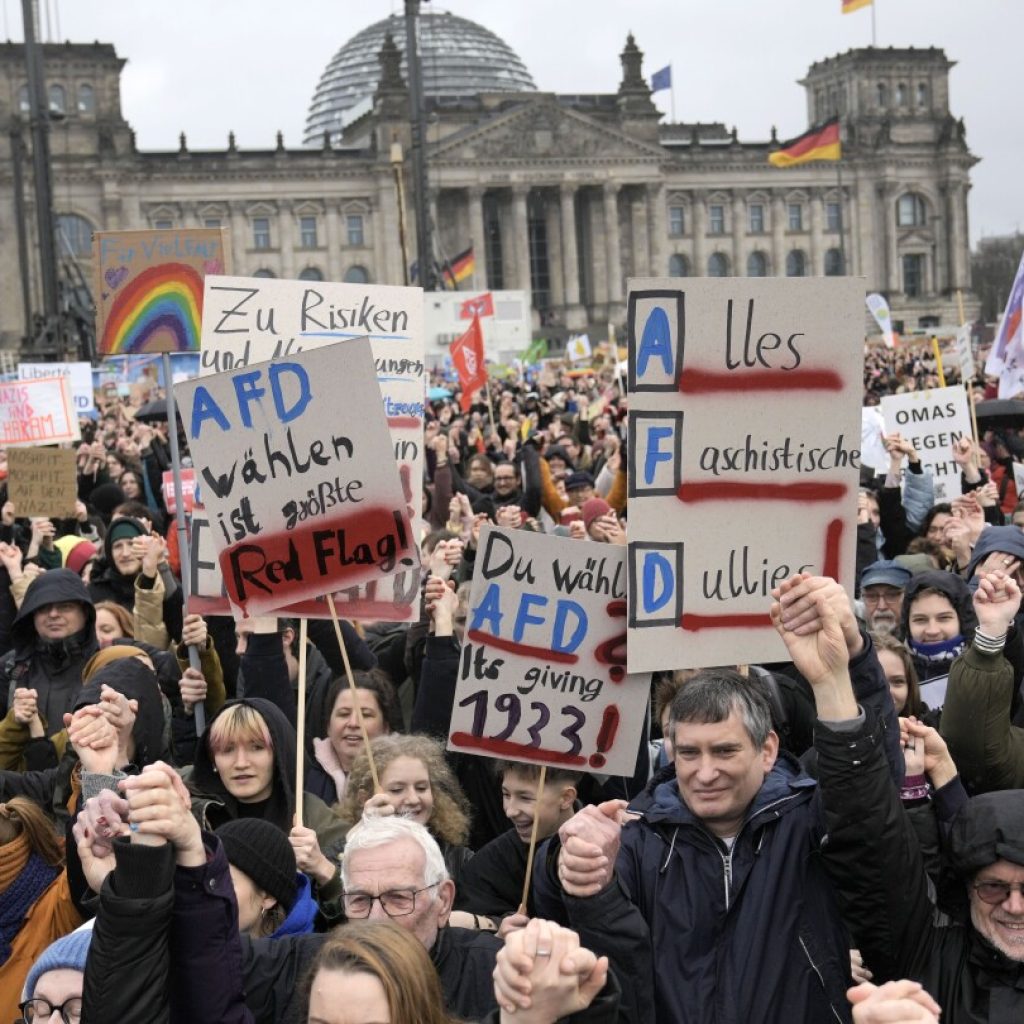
[(942, 652), (18, 897)]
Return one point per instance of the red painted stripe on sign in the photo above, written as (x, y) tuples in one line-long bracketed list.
[(724, 490), (513, 648), (505, 748), (833, 537), (709, 382), (695, 623), (404, 422)]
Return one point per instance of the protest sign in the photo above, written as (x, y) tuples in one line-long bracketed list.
[(35, 412), (80, 375), (872, 447), (149, 287), (251, 319), (542, 673), (744, 432), (932, 420), (1018, 478), (964, 353), (188, 490), (301, 488), (42, 482)]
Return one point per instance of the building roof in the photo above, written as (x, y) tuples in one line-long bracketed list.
[(459, 57)]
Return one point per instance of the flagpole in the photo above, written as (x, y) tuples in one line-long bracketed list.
[(874, 41), (842, 203), (672, 91)]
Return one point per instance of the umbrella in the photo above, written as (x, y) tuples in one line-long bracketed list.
[(436, 394), (999, 412), (152, 411)]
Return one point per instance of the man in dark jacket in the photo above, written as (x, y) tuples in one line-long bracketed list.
[(713, 906), (973, 966), (54, 636)]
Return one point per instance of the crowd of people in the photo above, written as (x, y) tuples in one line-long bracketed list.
[(835, 838)]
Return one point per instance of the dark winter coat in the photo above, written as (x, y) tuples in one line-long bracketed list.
[(875, 862), (52, 668), (701, 934)]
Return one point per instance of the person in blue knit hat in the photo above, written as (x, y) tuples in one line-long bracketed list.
[(55, 980)]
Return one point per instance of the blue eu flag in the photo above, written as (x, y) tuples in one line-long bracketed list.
[(662, 79)]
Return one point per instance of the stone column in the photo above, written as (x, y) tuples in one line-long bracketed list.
[(286, 237), (892, 266), (332, 228), (739, 263), (373, 222), (778, 215), (611, 241), (475, 203), (570, 256), (553, 221), (239, 240), (521, 234), (700, 230), (956, 234), (817, 235), (657, 229)]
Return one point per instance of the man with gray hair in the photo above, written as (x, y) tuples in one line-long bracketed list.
[(392, 868)]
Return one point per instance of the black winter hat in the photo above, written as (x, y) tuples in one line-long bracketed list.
[(989, 828), (262, 851), (121, 529)]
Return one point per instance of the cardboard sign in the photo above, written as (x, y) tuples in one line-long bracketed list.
[(80, 375), (933, 420), (149, 287), (744, 435), (542, 673), (42, 482), (964, 355), (1018, 477), (298, 477), (35, 412), (188, 490), (251, 319)]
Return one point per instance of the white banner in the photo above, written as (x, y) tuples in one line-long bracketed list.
[(80, 375)]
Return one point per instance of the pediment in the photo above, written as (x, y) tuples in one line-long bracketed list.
[(541, 130)]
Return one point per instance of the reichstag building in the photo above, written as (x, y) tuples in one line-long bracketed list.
[(563, 196)]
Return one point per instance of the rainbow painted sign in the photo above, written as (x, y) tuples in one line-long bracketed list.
[(149, 288)]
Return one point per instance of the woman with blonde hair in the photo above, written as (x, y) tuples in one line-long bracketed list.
[(416, 783), (35, 902)]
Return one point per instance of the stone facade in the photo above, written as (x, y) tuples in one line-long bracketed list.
[(564, 196)]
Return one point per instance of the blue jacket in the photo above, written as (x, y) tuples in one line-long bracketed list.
[(699, 935), (303, 913)]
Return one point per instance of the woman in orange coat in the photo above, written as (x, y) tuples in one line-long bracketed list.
[(35, 903)]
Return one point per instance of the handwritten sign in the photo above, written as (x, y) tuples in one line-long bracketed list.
[(542, 673), (80, 375), (188, 490), (149, 287), (42, 482), (298, 477), (251, 319), (744, 433), (933, 420), (965, 354), (35, 412)]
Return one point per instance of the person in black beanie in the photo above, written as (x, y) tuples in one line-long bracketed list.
[(273, 897)]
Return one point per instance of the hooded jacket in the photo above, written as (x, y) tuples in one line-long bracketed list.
[(52, 668), (213, 805), (701, 933), (959, 596)]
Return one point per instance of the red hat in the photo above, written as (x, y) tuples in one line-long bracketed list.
[(76, 551), (594, 508)]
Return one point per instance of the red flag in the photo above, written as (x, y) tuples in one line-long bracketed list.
[(467, 354), (482, 305)]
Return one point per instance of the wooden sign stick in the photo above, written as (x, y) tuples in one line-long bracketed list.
[(300, 727), (533, 837), (352, 684)]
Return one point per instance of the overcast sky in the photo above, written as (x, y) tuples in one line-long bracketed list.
[(208, 66)]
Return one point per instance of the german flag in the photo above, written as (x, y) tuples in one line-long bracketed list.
[(849, 6), (461, 268), (820, 143)]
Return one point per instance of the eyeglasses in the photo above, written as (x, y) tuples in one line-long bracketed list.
[(397, 903), (888, 596), (41, 1010), (994, 892)]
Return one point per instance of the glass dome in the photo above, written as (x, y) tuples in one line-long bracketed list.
[(459, 57)]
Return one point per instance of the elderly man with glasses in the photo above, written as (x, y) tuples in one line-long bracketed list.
[(881, 589)]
